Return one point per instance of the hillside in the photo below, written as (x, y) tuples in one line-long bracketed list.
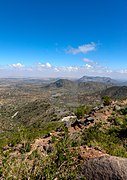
[(57, 131), (81, 142), (116, 92), (62, 83)]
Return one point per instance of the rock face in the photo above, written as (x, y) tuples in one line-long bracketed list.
[(105, 168)]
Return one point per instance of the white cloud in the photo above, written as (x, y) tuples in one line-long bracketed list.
[(41, 65), (88, 60), (56, 69), (123, 71), (82, 49), (46, 65), (18, 65), (88, 66), (65, 69)]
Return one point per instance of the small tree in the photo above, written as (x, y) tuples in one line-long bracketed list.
[(81, 110), (106, 100)]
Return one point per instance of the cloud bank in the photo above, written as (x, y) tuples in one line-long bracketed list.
[(18, 65), (42, 70)]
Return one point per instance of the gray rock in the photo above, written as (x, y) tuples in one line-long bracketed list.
[(117, 108), (86, 116), (101, 106), (105, 168), (76, 123), (89, 120), (69, 120), (95, 109), (86, 123), (48, 148), (59, 129)]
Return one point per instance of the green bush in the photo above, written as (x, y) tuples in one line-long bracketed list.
[(106, 100), (26, 147), (118, 121), (124, 111), (81, 111)]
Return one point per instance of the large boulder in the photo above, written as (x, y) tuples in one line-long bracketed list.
[(69, 120), (105, 168)]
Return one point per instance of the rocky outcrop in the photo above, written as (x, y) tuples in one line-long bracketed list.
[(105, 168)]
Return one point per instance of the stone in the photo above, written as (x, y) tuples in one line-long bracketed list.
[(117, 108), (105, 168), (48, 148), (90, 119)]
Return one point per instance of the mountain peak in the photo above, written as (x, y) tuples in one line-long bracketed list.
[(97, 79)]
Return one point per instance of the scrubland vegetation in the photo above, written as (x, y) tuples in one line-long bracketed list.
[(36, 144)]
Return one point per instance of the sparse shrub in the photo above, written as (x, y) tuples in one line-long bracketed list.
[(110, 119), (26, 147), (81, 111), (74, 143), (106, 100), (14, 141), (61, 163), (109, 140), (113, 131), (34, 155), (123, 111), (118, 121), (53, 139), (113, 113)]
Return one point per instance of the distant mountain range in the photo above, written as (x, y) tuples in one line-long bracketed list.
[(77, 86), (106, 80), (84, 81), (103, 86)]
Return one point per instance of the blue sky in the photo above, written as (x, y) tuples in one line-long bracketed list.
[(63, 38)]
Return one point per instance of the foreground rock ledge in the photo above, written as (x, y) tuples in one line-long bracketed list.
[(105, 168)]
